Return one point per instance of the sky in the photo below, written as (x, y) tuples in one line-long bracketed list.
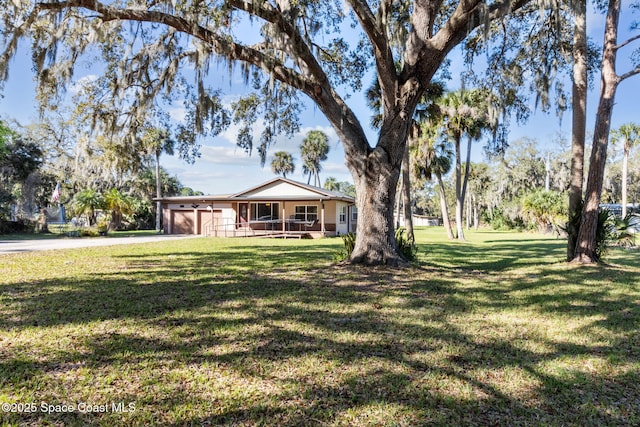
[(223, 168)]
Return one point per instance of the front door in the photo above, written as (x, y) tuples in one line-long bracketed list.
[(243, 214)]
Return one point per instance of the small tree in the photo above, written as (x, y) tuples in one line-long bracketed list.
[(119, 205), (465, 113), (544, 209), (87, 202), (331, 184)]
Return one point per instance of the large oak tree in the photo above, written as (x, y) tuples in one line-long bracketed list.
[(151, 48)]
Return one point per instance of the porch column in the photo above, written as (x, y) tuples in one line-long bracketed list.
[(284, 224), (195, 220), (322, 228), (212, 226), (168, 219)]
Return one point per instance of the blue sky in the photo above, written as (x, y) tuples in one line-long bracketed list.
[(223, 168)]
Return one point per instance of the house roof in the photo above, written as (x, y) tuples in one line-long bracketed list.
[(272, 190)]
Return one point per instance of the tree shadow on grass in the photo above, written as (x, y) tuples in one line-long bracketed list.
[(248, 342), (494, 256)]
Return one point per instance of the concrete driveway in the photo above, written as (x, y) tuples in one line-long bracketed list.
[(17, 246)]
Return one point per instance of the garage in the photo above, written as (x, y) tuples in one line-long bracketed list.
[(181, 222), (209, 221)]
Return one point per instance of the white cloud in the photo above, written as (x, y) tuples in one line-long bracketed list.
[(76, 87), (179, 114), (226, 155)]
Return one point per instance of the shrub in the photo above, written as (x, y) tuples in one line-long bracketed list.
[(610, 230), (89, 232), (406, 247), (505, 218), (349, 241), (544, 210), (19, 226)]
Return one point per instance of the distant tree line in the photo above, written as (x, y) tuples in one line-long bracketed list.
[(94, 174)]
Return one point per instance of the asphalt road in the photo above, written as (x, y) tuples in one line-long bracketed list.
[(18, 246)]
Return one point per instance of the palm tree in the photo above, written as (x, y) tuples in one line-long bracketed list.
[(464, 113), (87, 202), (118, 204), (313, 150), (432, 157), (629, 133), (282, 163), (155, 142), (331, 184)]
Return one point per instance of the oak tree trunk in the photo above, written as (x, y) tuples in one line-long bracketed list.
[(375, 189)]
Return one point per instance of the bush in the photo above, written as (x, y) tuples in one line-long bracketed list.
[(407, 248), (89, 232), (505, 219), (20, 226), (349, 241), (544, 210)]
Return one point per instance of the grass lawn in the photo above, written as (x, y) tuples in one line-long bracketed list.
[(495, 331)]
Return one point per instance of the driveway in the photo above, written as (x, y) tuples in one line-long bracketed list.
[(17, 246)]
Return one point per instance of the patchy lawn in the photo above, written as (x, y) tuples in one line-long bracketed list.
[(495, 331)]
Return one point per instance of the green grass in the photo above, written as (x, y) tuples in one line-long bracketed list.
[(495, 331)]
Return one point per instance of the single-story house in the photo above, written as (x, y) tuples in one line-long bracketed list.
[(279, 207)]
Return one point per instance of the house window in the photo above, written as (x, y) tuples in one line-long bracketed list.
[(343, 215), (306, 213), (265, 211), (354, 214)]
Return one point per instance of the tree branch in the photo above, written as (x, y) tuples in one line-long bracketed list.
[(629, 41), (319, 90), (222, 46), (274, 16), (384, 58), (629, 74)]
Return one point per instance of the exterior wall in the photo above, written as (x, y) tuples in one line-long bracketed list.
[(277, 190), (418, 220)]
